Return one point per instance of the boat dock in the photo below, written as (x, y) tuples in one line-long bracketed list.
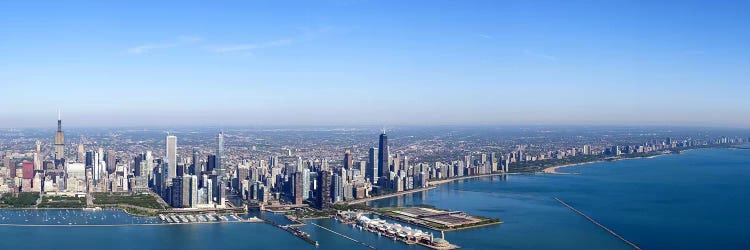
[(598, 224), (203, 218), (294, 230), (342, 235)]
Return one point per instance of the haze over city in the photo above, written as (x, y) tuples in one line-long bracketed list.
[(247, 63)]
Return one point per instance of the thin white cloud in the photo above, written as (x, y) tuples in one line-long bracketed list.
[(149, 47), (306, 34), (180, 40), (251, 46), (538, 55), (485, 36)]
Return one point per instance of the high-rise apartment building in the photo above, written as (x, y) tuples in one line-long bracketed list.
[(171, 157), (383, 168)]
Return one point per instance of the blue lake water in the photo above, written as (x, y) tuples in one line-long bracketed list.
[(695, 200)]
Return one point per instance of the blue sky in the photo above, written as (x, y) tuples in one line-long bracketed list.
[(351, 62)]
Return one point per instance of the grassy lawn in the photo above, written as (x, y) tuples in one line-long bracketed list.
[(304, 213), (19, 200), (62, 202), (140, 200)]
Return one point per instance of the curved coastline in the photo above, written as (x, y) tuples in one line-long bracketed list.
[(553, 169)]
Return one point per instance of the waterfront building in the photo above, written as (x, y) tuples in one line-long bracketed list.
[(348, 161), (211, 163), (337, 188), (37, 182), (81, 153), (467, 161), (99, 166), (383, 156), (149, 160), (177, 192), (76, 170), (209, 186), (196, 164), (222, 193), (306, 184), (297, 187), (28, 171), (220, 157), (493, 162), (110, 158), (10, 165), (189, 191), (395, 161), (137, 160), (171, 160), (323, 195)]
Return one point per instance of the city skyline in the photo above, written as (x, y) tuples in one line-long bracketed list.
[(374, 63), (210, 178)]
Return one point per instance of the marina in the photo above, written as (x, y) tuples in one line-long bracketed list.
[(107, 217), (72, 217)]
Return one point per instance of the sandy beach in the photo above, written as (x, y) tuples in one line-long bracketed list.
[(553, 169)]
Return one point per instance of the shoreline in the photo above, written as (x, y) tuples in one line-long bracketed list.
[(553, 169)]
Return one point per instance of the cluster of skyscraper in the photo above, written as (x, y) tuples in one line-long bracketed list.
[(197, 182), (186, 184), (381, 172)]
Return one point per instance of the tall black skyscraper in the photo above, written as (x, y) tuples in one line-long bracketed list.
[(59, 139), (323, 193), (196, 166), (211, 163), (383, 169), (348, 160), (137, 165)]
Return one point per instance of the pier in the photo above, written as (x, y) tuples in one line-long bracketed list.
[(407, 235), (294, 230), (347, 237), (598, 224)]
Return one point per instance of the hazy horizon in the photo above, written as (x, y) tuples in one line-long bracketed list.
[(351, 63), (378, 127)]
